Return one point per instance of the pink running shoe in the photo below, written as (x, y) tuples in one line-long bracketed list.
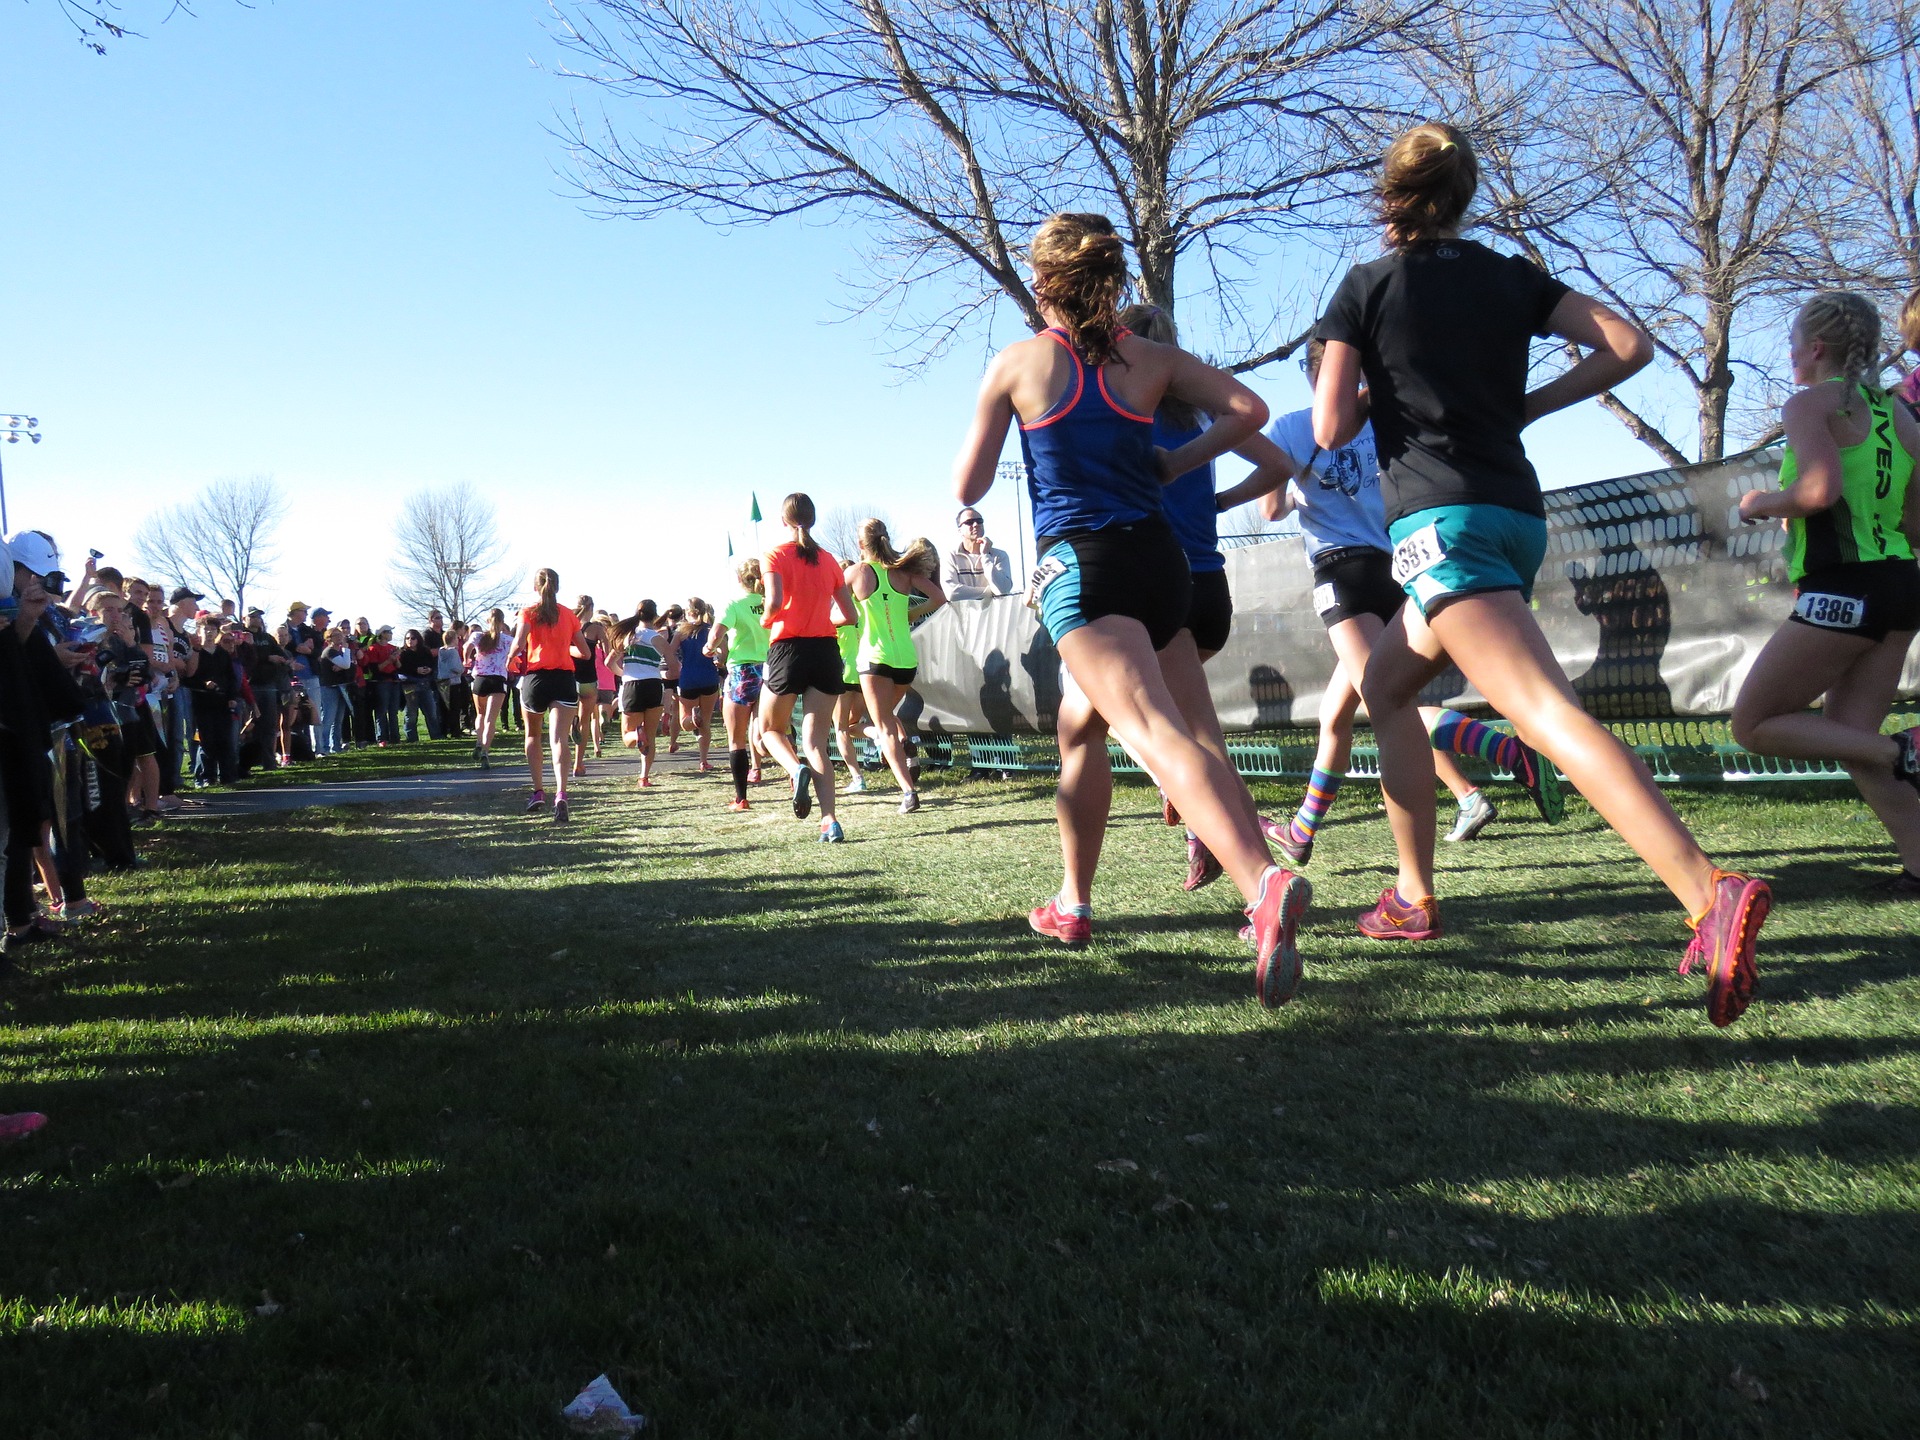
[(1275, 913), (753, 775), (1396, 919), (1723, 940), (19, 1127), (1202, 868), (1062, 925)]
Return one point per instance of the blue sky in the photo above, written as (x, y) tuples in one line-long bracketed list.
[(330, 243)]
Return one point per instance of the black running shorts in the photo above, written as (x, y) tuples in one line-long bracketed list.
[(1137, 570), (1210, 612), (489, 685), (899, 674), (544, 690), (698, 692), (1872, 600), (1353, 581), (809, 663), (639, 696)]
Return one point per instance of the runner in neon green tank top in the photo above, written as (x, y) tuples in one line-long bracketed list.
[(1851, 510), (850, 707), (1863, 525), (892, 592)]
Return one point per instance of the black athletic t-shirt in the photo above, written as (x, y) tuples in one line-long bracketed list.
[(1444, 329)]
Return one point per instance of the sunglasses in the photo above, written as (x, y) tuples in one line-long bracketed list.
[(972, 520)]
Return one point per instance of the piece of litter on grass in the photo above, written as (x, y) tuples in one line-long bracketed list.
[(1117, 1167), (1199, 1139), (268, 1305), (599, 1410), (1167, 1204)]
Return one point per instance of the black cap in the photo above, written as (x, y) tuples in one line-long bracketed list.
[(253, 610), (183, 593)]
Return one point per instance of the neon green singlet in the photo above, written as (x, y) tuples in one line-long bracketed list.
[(849, 638), (885, 638), (746, 636), (1863, 525)]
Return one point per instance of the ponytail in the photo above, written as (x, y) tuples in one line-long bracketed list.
[(1080, 272), (877, 545), (547, 585), (1849, 326), (643, 614), (749, 574), (797, 511), (1427, 181)]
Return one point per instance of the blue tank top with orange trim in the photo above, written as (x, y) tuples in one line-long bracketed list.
[(1089, 460)]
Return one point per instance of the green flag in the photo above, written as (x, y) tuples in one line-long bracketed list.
[(755, 516), (729, 545)]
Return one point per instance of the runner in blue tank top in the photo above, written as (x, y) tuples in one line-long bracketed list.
[(1112, 586), (1192, 508)]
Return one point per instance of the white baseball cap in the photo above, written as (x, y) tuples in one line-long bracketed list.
[(36, 550)]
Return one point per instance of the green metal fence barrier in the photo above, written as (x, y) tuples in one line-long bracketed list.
[(1679, 752)]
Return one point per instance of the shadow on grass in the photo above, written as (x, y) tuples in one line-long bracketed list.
[(785, 1158)]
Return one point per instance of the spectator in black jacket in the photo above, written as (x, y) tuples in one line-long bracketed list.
[(215, 688), (35, 691)]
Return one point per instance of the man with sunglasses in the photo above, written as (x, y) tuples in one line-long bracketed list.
[(977, 569)]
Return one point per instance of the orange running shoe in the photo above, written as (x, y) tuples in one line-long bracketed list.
[(1396, 919), (1724, 936), (738, 805), (1062, 925)]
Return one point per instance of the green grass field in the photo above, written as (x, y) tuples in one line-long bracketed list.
[(409, 1124), (373, 762)]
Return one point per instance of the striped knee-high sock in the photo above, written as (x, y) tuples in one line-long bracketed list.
[(1321, 788), (1463, 735)]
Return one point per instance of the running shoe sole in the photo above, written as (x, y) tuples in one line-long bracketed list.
[(1276, 964), (1543, 787), (803, 794), (1732, 976), (561, 814)]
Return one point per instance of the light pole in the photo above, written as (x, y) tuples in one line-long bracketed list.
[(16, 428), (1012, 474)]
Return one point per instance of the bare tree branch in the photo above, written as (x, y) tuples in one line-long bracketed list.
[(221, 541), (449, 555)]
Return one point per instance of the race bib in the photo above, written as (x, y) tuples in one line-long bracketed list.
[(1324, 599), (1044, 574), (1835, 612), (1417, 554)]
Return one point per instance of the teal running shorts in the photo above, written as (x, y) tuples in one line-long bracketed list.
[(1451, 551)]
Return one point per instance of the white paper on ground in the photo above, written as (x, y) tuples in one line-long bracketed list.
[(599, 1410)]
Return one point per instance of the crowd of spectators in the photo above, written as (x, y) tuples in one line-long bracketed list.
[(119, 697)]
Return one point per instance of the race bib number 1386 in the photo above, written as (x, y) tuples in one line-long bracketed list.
[(1835, 612)]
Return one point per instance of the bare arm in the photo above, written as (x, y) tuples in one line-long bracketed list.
[(1616, 349), (1237, 413), (1818, 486), (1341, 405), (979, 453), (717, 644), (776, 593), (1908, 430), (519, 642), (935, 598), (1272, 470), (843, 607)]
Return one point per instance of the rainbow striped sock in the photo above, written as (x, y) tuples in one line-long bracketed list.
[(1463, 735), (1321, 788)]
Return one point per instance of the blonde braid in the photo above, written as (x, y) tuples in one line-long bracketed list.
[(1849, 326)]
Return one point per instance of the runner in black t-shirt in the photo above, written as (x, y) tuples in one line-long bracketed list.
[(1441, 332)]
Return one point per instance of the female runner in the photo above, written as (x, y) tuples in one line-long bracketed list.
[(891, 599), (604, 678), (1083, 801), (740, 642), (487, 658), (1469, 532), (699, 676), (850, 707), (670, 619), (1343, 521), (1851, 511), (807, 599), (637, 641), (547, 640), (1112, 584), (587, 677), (1909, 387)]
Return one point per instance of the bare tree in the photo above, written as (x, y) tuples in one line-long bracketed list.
[(1673, 157), (950, 128), (839, 529), (98, 21), (221, 541), (1872, 227), (449, 555)]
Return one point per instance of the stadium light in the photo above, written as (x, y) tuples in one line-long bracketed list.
[(16, 428)]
